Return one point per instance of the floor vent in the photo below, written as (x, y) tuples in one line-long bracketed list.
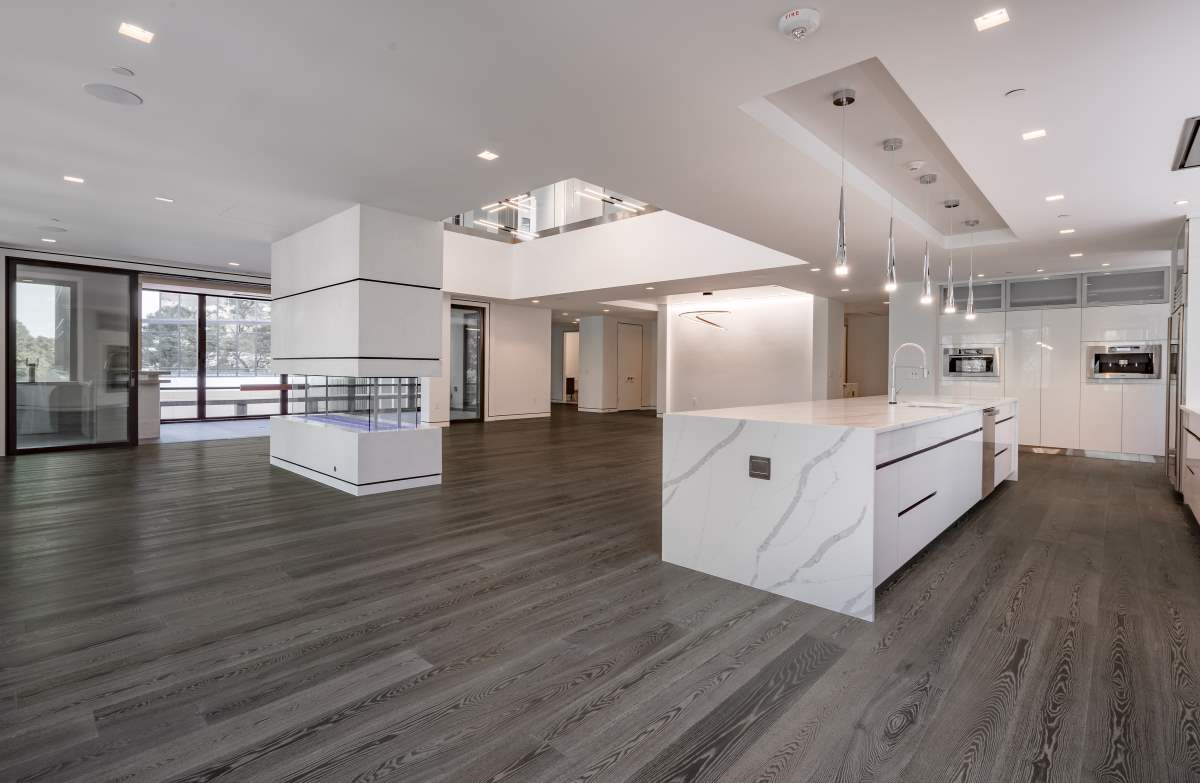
[(1188, 154)]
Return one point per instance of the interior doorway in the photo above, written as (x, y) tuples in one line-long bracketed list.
[(570, 363), (71, 335), (629, 367), (466, 363)]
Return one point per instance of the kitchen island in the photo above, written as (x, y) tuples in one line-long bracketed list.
[(822, 501)]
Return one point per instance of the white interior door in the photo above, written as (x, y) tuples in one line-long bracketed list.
[(629, 367)]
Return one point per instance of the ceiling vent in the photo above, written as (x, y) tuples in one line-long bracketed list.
[(1188, 154)]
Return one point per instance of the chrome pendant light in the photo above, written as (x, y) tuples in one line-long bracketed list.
[(841, 265), (926, 276), (889, 270), (970, 314), (950, 308)]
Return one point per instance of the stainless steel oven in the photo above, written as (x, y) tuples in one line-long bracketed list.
[(1125, 362), (971, 362)]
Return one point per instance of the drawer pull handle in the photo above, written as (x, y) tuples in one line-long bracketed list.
[(1189, 467), (919, 502), (1189, 432), (1001, 451)]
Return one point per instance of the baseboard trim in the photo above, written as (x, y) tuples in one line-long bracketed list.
[(596, 410), (511, 416), (358, 490)]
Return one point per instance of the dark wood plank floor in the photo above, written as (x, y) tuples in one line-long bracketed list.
[(186, 612)]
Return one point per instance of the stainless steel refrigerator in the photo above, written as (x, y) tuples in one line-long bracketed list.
[(1176, 378)]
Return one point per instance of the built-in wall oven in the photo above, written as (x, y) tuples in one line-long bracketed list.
[(1125, 362), (971, 361)]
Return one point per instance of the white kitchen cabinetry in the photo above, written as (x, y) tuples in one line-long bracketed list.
[(1189, 452), (1143, 418), (1126, 323), (1021, 368), (924, 492), (1061, 371), (1100, 413), (986, 329)]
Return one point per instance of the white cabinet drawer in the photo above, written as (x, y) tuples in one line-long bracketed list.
[(1004, 458), (899, 443), (1004, 433), (917, 524)]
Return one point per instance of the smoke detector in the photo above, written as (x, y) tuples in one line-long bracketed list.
[(800, 22)]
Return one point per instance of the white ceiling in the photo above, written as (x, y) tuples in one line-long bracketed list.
[(263, 117)]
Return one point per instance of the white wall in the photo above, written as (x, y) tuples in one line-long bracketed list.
[(649, 364), (598, 364), (517, 362), (763, 356), (477, 267), (909, 321), (650, 248), (829, 348), (867, 353), (435, 392)]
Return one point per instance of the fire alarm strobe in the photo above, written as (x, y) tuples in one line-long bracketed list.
[(800, 22)]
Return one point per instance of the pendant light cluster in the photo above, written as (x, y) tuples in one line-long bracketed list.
[(841, 267)]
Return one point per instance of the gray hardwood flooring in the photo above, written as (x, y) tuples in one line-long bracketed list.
[(185, 612)]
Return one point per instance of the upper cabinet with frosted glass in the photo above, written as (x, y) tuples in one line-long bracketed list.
[(1043, 292), (1139, 286)]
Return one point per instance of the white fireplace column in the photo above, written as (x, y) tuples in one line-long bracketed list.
[(358, 295)]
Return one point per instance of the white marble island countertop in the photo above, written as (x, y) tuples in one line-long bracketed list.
[(870, 413)]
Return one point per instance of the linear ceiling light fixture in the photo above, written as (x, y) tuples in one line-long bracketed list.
[(991, 19), (608, 198), (76, 180), (135, 32), (706, 317), (1056, 197), (487, 155), (1040, 133), (841, 265), (519, 233)]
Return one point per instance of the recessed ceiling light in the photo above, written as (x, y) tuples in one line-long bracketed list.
[(1066, 231), (76, 180), (1181, 202), (48, 240), (815, 269), (535, 301), (111, 93), (135, 32), (1034, 134), (887, 301), (649, 288), (1039, 270), (979, 275), (576, 320), (164, 199), (487, 155), (845, 290), (991, 19), (606, 311), (566, 313), (1104, 264), (1076, 255), (1056, 197), (233, 263)]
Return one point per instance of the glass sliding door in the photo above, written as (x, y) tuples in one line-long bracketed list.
[(237, 352), (209, 347), (466, 363), (71, 332), (171, 346)]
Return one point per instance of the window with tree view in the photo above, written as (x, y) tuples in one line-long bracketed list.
[(234, 335)]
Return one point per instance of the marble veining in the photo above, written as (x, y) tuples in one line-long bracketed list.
[(806, 533)]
